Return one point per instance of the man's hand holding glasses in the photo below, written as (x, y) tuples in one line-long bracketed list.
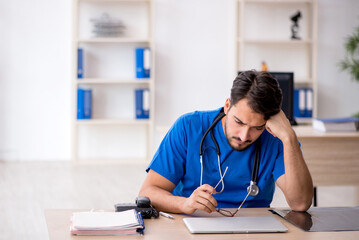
[(202, 199)]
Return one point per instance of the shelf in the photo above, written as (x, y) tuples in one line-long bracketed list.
[(109, 68), (275, 1), (273, 41), (263, 34), (114, 81), (113, 121), (124, 1), (115, 40), (303, 81)]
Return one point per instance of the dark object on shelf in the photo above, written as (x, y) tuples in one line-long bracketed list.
[(295, 26)]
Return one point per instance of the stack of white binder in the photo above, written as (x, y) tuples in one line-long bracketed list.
[(107, 223), (347, 124)]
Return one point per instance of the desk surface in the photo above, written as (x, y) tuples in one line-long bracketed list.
[(58, 224), (307, 131), (332, 157)]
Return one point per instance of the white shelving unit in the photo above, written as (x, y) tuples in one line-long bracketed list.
[(113, 133), (263, 33)]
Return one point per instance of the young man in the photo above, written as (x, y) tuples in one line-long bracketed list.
[(178, 182)]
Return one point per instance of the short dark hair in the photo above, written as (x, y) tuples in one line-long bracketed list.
[(260, 89)]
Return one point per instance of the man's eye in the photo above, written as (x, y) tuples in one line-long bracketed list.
[(259, 128), (239, 122)]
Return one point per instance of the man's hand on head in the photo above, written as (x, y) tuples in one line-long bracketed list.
[(279, 126)]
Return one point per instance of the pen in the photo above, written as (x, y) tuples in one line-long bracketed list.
[(166, 215)]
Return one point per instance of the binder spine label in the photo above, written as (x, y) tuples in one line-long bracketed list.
[(309, 103), (147, 60), (146, 100)]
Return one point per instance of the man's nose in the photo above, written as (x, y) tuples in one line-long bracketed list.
[(245, 134)]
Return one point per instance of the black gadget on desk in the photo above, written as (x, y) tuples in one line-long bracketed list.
[(142, 205)]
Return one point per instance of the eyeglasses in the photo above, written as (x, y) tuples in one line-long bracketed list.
[(225, 212), (221, 180), (228, 213)]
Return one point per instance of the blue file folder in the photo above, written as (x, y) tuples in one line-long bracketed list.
[(142, 99), (80, 63), (143, 62), (84, 103), (303, 103)]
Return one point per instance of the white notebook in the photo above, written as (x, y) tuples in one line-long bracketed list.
[(105, 220), (234, 225)]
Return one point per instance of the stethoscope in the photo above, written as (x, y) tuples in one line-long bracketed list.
[(252, 189)]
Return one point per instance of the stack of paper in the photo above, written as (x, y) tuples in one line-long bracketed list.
[(105, 26), (336, 124), (107, 223)]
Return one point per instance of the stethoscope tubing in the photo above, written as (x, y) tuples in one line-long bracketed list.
[(252, 189)]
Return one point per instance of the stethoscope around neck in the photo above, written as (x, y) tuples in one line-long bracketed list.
[(252, 189)]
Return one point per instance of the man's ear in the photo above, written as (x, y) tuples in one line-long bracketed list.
[(227, 105)]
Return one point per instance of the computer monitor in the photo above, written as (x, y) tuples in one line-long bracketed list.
[(286, 83)]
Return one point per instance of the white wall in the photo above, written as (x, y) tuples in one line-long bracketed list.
[(35, 54), (338, 96), (194, 56), (194, 67)]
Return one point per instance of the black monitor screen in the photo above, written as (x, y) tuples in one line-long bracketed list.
[(286, 83)]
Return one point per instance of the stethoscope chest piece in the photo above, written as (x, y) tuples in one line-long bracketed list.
[(253, 189)]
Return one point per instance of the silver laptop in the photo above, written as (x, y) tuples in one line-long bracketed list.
[(234, 225)]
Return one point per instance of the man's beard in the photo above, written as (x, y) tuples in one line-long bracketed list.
[(237, 147)]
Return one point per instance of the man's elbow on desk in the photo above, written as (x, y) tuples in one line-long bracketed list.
[(301, 205)]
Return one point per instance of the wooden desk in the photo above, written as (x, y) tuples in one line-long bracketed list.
[(58, 224), (332, 157)]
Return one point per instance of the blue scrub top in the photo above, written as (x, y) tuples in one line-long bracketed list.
[(177, 159)]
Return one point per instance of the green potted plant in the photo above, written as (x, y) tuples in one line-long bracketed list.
[(351, 61)]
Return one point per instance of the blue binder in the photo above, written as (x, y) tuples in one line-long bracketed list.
[(299, 102), (303, 103), (84, 103), (80, 63), (143, 62), (142, 100)]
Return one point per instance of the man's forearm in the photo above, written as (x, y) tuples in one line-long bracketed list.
[(298, 182), (163, 200)]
